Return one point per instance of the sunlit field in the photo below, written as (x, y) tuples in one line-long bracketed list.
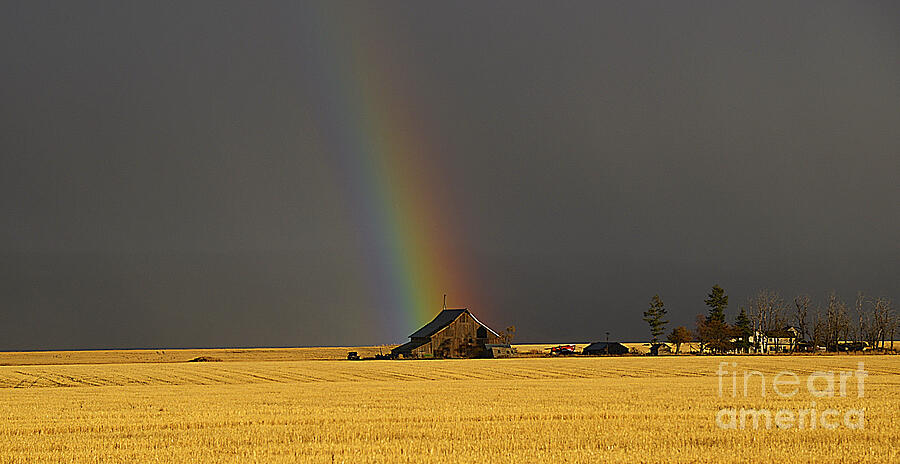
[(541, 410), (181, 355)]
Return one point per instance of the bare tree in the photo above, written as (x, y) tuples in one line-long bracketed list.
[(801, 305), (836, 322), (509, 334), (872, 328), (862, 328), (894, 322), (767, 315), (818, 330), (883, 321)]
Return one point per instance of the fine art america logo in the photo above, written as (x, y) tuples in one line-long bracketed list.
[(733, 382)]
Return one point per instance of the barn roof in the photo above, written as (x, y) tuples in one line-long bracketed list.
[(443, 319), (409, 346)]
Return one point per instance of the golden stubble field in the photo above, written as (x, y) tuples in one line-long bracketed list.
[(540, 410)]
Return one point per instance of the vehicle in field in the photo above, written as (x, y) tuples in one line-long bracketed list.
[(562, 350)]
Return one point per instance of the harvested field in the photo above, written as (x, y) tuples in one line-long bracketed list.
[(23, 358), (629, 409)]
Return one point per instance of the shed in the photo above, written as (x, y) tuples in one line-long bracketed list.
[(498, 351), (660, 348), (605, 348)]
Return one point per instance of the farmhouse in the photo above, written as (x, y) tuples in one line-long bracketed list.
[(777, 341), (454, 333)]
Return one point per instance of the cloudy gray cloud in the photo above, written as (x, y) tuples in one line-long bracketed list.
[(164, 180)]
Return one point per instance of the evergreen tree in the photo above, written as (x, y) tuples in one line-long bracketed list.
[(713, 332), (655, 317), (717, 301), (743, 330)]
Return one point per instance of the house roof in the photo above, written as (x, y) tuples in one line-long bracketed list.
[(443, 319), (786, 332)]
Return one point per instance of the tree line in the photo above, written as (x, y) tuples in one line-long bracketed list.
[(830, 323)]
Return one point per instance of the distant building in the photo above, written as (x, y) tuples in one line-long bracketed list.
[(605, 348), (498, 351), (454, 333), (657, 349), (782, 340), (777, 341)]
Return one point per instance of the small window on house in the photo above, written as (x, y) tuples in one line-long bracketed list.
[(481, 333)]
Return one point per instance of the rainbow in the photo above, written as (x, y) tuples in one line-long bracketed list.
[(410, 245)]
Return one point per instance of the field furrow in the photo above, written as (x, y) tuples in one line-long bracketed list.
[(235, 373)]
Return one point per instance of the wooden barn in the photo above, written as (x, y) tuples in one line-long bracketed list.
[(454, 333)]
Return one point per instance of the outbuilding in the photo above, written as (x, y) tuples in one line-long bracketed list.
[(599, 348), (657, 349), (453, 333), (499, 350)]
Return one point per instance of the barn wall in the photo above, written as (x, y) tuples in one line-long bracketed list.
[(457, 340), (423, 351)]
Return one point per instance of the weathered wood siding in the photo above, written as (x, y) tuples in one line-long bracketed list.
[(460, 339)]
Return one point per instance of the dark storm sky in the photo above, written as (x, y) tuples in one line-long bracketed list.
[(162, 182)]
